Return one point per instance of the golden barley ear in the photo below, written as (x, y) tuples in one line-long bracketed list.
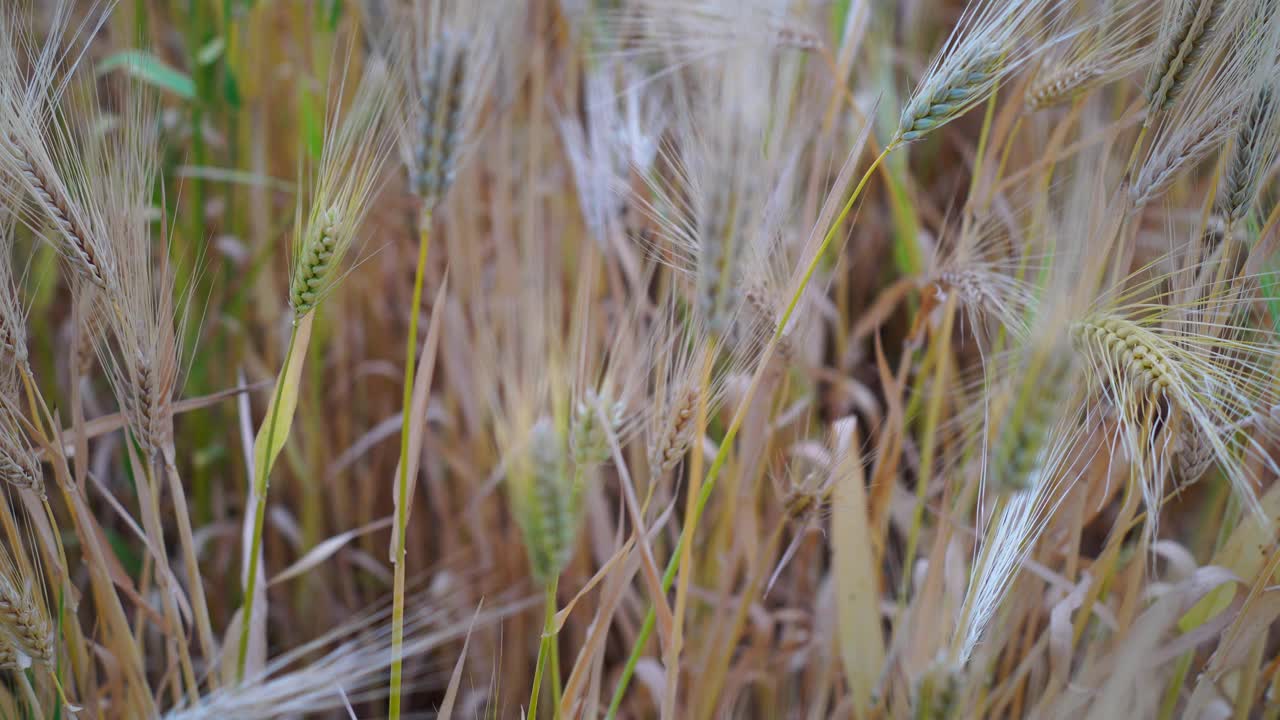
[(24, 614)]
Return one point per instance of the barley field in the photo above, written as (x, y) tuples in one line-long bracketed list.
[(584, 359)]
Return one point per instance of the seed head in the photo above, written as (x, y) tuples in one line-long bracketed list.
[(546, 500), (1187, 30), (24, 619), (1255, 148), (315, 268), (948, 93), (357, 143), (442, 98)]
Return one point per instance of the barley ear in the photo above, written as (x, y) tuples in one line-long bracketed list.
[(1189, 28), (948, 93), (1254, 150)]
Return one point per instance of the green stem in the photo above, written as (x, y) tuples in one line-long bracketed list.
[(402, 482), (547, 650), (261, 484), (722, 455)]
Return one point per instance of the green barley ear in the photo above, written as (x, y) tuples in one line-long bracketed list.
[(949, 93), (320, 254), (351, 161), (545, 501), (992, 40), (446, 56)]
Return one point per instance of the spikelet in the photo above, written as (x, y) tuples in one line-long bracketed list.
[(684, 349), (607, 388), (37, 148), (439, 128), (10, 658), (612, 353), (674, 428), (1158, 173), (1193, 455), (1217, 98), (588, 434), (1109, 51), (19, 466), (721, 216), (356, 144), (545, 499), (950, 93), (716, 205), (992, 41), (1027, 424), (981, 271)]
